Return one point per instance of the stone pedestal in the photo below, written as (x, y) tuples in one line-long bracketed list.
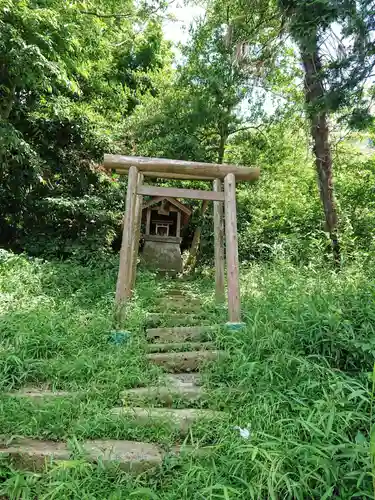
[(162, 253)]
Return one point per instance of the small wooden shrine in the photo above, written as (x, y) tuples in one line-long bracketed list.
[(163, 218)]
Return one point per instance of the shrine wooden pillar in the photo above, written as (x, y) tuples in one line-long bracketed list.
[(124, 279), (219, 244), (178, 226), (234, 306), (136, 233)]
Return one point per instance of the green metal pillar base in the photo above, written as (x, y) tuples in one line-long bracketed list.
[(234, 327)]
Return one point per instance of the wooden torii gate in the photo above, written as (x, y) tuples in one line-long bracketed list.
[(137, 167)]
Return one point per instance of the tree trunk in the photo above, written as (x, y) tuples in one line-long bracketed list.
[(314, 97), (221, 149)]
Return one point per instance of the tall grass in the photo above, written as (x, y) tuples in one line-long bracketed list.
[(298, 377)]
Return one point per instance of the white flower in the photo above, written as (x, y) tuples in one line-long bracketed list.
[(244, 433)]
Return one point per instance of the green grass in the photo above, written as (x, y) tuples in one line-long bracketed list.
[(299, 376)]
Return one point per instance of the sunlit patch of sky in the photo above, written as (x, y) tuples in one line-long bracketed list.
[(177, 30)]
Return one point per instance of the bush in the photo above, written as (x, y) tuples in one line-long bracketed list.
[(70, 227), (55, 200)]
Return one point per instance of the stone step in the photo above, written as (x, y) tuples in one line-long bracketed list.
[(175, 297), (156, 319), (179, 292), (178, 334), (178, 387), (180, 346), (174, 304), (173, 308), (133, 457), (189, 361), (165, 395), (181, 419), (180, 299), (40, 393)]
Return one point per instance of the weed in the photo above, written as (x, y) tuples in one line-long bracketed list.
[(297, 376)]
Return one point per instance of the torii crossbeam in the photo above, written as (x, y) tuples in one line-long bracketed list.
[(137, 167)]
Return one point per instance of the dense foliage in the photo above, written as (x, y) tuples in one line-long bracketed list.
[(69, 76), (80, 79)]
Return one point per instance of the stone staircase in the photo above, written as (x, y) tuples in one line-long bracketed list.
[(180, 351)]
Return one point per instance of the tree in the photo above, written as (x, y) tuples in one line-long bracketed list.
[(200, 108), (69, 75), (218, 85), (334, 77), (306, 21), (208, 99), (329, 87)]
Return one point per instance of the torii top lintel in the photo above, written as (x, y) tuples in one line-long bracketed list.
[(178, 169)]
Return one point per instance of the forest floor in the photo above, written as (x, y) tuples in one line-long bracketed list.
[(298, 378)]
